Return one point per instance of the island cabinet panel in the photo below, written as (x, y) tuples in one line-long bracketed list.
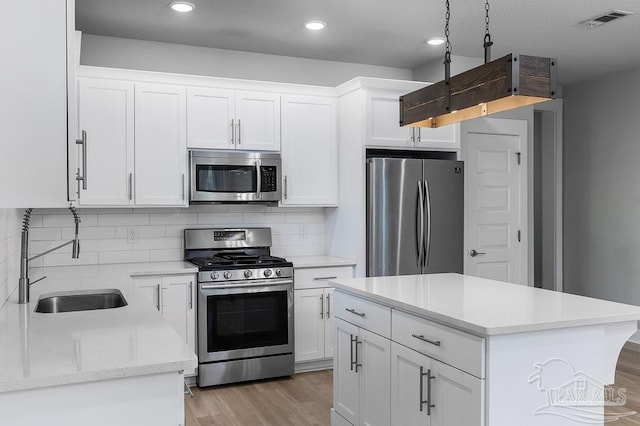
[(462, 350), (362, 376), (393, 378)]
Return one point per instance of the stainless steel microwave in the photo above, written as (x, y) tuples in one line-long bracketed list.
[(235, 177)]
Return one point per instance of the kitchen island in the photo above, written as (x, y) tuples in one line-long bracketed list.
[(120, 366), (450, 349)]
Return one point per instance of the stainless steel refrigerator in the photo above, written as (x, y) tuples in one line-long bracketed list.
[(415, 216)]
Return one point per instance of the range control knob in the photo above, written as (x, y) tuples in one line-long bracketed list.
[(247, 274), (215, 275), (227, 275), (279, 272), (267, 273)]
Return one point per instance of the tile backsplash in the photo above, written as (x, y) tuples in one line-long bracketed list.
[(10, 223), (141, 235)]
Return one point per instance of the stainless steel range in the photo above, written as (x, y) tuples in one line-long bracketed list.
[(245, 305)]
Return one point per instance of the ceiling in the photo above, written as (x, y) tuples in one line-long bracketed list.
[(379, 32)]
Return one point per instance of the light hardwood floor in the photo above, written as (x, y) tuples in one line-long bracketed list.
[(305, 399)]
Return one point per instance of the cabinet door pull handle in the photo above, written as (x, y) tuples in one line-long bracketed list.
[(328, 305), (158, 297), (321, 307), (351, 341), (233, 133), (190, 294), (356, 360), (324, 278), (419, 139), (285, 187), (429, 404), (130, 186), (353, 311), (424, 339), (239, 133), (83, 141), (422, 400)]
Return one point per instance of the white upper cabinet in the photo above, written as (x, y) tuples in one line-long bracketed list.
[(258, 126), (210, 118), (383, 126), (33, 83), (230, 119), (309, 151), (106, 116), (160, 145)]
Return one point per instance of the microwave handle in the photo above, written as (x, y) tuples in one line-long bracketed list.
[(258, 179)]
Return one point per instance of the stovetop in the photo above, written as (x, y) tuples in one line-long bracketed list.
[(238, 261)]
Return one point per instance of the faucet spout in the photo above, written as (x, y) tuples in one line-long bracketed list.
[(23, 281)]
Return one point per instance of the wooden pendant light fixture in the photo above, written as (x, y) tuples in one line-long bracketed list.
[(507, 83)]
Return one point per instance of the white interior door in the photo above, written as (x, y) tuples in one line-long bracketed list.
[(494, 151)]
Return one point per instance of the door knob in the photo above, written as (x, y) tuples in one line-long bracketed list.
[(474, 253)]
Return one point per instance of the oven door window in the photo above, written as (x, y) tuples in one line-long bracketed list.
[(249, 320), (224, 178)]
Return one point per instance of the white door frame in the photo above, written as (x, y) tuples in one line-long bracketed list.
[(555, 106), (526, 242)]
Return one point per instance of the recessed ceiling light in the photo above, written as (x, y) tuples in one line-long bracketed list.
[(182, 6), (315, 25), (435, 41)]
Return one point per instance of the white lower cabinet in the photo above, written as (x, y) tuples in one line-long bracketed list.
[(174, 296), (313, 329), (425, 391), (362, 383), (313, 306), (377, 380)]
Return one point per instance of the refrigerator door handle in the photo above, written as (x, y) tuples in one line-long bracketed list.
[(420, 225), (427, 240)]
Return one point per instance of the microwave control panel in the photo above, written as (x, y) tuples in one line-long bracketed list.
[(269, 179)]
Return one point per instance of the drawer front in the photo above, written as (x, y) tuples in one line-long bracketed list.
[(453, 347), (319, 277), (363, 313)]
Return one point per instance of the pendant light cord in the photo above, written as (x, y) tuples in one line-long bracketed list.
[(487, 36)]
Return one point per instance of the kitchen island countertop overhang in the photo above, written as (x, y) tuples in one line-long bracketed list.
[(486, 307)]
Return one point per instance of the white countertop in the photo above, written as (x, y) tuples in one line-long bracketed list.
[(486, 307), (39, 350), (301, 262)]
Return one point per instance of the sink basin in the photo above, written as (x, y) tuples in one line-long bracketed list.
[(83, 300)]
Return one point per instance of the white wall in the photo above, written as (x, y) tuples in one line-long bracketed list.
[(602, 187), (10, 226), (103, 232), (433, 71), (166, 57)]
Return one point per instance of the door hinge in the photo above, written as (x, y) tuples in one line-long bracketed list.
[(519, 236), (519, 155)]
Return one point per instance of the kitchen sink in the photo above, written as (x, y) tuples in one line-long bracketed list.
[(81, 300)]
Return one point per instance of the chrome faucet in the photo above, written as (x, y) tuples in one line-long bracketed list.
[(23, 282)]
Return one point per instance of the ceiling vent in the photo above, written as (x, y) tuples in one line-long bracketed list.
[(605, 18)]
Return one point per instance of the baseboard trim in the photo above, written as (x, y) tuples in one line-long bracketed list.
[(323, 364)]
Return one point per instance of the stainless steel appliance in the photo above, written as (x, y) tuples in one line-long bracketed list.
[(415, 216), (235, 177), (245, 305)]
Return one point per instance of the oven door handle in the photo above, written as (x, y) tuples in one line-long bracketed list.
[(256, 283)]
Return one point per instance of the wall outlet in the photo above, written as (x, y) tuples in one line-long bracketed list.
[(132, 235), (303, 232)]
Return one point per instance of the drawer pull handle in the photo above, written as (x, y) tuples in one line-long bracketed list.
[(360, 314), (324, 278), (424, 339)]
